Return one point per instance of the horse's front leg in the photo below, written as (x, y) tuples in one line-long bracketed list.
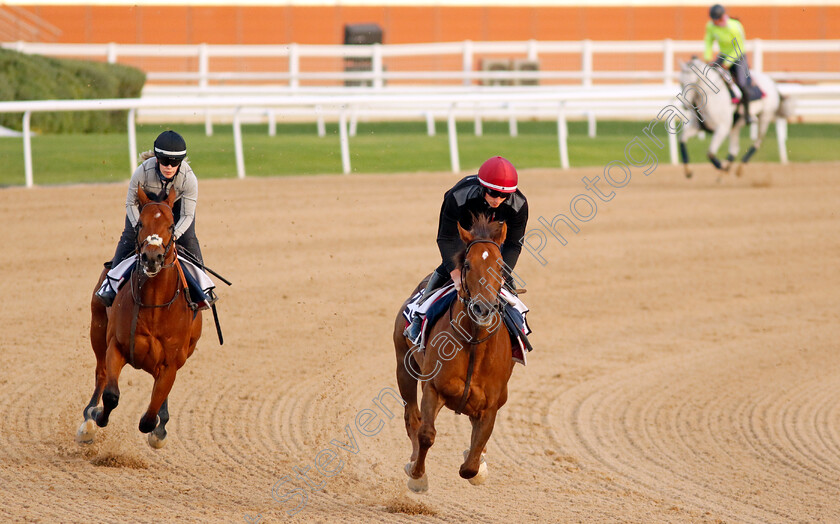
[(717, 140), (689, 131), (160, 392), (114, 362), (763, 126), (431, 404), (157, 438), (474, 467), (734, 145)]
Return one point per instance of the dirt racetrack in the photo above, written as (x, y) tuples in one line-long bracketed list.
[(686, 365)]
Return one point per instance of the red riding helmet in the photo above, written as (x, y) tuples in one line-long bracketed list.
[(498, 174)]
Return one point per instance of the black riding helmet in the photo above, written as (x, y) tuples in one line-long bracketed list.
[(169, 147), (716, 12)]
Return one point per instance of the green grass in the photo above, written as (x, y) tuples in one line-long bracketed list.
[(386, 147)]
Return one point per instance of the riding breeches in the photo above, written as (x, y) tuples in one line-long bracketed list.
[(740, 73)]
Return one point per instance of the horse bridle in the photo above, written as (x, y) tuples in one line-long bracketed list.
[(468, 300), (138, 246)]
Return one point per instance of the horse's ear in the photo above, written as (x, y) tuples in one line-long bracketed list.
[(142, 197), (682, 65), (465, 235), (500, 238), (170, 198)]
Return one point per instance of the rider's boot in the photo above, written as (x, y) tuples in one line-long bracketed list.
[(412, 331), (745, 100), (106, 295)]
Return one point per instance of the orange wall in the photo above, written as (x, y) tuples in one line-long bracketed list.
[(324, 25)]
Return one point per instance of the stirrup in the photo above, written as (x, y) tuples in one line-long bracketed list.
[(412, 330), (106, 296)]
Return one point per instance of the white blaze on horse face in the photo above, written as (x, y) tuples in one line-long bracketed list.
[(485, 255), (157, 215), (154, 240)]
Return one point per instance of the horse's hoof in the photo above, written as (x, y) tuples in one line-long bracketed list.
[(86, 432), (481, 476), (689, 174), (147, 426), (740, 170), (155, 442), (420, 485)]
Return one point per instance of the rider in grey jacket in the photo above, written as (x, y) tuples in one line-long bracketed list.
[(164, 171)]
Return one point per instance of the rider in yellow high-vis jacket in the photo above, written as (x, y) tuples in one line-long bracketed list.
[(729, 34)]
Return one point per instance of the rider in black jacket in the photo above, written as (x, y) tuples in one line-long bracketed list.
[(493, 192)]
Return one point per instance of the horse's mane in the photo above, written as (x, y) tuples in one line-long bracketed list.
[(482, 229)]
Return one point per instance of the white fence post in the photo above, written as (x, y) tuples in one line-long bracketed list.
[(453, 141), (322, 126), (430, 123), (532, 50), (478, 123), (272, 123), (132, 140), (294, 66), (781, 137), (27, 149), (203, 66), (378, 72), (112, 53), (344, 142), (592, 124), (668, 63), (586, 63), (562, 136), (513, 125), (672, 148), (237, 143), (467, 62)]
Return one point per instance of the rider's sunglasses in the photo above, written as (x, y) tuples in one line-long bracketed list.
[(497, 194), (166, 161)]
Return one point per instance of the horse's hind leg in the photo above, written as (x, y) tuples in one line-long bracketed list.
[(114, 362), (474, 468), (99, 343), (407, 384), (160, 392), (157, 438)]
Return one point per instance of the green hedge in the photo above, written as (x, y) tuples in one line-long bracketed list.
[(36, 77)]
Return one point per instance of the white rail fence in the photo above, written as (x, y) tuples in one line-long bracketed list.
[(466, 53), (641, 101)]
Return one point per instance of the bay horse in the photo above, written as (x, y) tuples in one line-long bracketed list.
[(150, 325), (717, 110), (467, 364)]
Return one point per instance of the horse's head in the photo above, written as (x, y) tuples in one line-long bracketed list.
[(155, 232), (481, 266), (688, 75)]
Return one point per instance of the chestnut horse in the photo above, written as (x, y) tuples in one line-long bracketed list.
[(467, 364), (150, 325)]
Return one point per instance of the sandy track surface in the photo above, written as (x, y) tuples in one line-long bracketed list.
[(685, 369)]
